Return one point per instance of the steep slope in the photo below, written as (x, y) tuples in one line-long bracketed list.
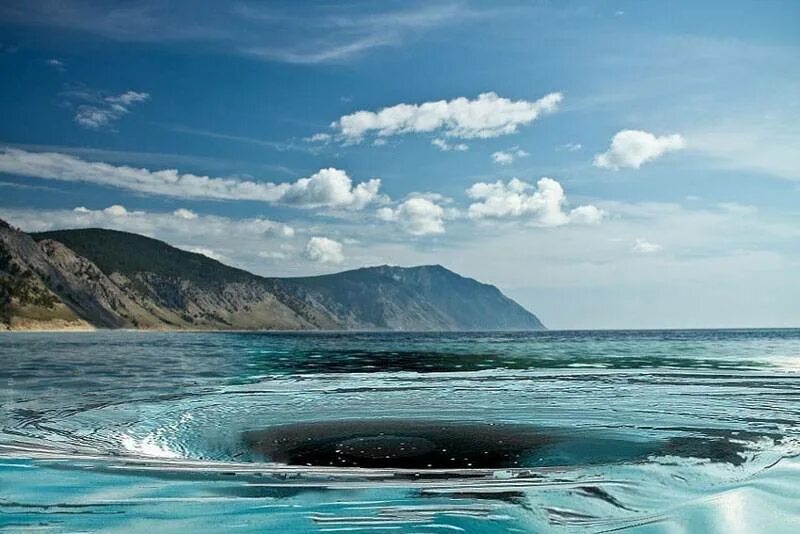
[(46, 285), (25, 301), (428, 297), (181, 289), (116, 279)]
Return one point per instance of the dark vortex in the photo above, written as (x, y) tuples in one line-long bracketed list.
[(398, 443), (425, 444)]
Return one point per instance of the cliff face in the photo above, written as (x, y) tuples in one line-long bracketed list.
[(428, 297), (109, 279), (28, 284)]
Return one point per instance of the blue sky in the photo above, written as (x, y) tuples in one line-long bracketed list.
[(303, 138)]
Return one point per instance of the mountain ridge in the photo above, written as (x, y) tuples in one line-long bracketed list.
[(99, 278)]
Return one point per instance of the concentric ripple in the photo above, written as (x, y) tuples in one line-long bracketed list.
[(594, 431)]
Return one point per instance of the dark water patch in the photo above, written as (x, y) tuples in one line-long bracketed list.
[(713, 449), (402, 444), (436, 445), (332, 360)]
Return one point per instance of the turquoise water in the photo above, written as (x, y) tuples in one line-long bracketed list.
[(673, 431)]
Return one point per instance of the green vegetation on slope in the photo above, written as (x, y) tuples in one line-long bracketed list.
[(176, 285), (129, 254)]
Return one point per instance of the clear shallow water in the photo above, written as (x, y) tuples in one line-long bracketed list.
[(675, 431)]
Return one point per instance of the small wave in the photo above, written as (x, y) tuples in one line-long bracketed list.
[(149, 445)]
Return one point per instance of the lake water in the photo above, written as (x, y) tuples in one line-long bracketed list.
[(668, 431)]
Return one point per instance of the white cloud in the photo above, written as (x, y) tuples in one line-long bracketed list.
[(643, 246), (507, 157), (56, 64), (632, 148), (115, 211), (331, 188), (544, 203), (587, 214), (444, 146), (571, 147), (324, 250), (183, 213), (489, 115), (319, 138), (104, 110), (328, 188), (417, 216)]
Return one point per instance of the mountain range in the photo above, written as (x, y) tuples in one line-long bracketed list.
[(98, 278)]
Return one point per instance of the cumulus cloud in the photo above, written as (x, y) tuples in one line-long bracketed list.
[(488, 115), (417, 216), (643, 246), (102, 110), (183, 213), (632, 148), (324, 250), (507, 157), (587, 214), (444, 146), (328, 188), (115, 211), (544, 203)]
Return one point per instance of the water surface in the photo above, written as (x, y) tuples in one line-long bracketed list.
[(661, 431)]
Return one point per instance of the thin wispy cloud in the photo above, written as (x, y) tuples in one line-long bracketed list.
[(570, 147), (327, 188), (764, 145), (643, 246), (341, 32), (507, 157), (280, 146), (444, 146), (293, 33), (96, 110), (57, 64)]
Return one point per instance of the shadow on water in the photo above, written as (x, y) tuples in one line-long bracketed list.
[(424, 444)]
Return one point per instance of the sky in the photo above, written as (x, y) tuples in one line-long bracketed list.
[(607, 164)]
